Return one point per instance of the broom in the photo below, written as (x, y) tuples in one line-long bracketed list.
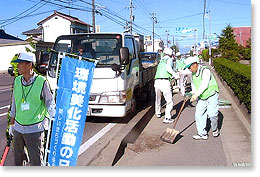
[(170, 134)]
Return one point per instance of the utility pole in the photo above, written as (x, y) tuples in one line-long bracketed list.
[(93, 16), (174, 47), (196, 41), (167, 34), (131, 16), (209, 39), (154, 22)]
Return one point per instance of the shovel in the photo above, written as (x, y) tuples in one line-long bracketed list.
[(7, 147), (170, 134)]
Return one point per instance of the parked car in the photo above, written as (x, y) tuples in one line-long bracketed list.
[(11, 70)]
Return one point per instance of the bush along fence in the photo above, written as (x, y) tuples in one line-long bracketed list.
[(238, 77)]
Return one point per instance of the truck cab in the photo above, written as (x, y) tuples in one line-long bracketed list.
[(117, 77)]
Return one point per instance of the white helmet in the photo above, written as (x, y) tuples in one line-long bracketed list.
[(168, 51), (178, 54), (189, 61), (25, 56)]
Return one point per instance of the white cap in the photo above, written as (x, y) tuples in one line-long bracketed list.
[(178, 54), (189, 61), (25, 57), (168, 51)]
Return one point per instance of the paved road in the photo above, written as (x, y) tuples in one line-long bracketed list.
[(92, 127), (6, 82)]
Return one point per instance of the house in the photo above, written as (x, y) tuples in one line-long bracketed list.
[(55, 25), (9, 46), (148, 44), (242, 34)]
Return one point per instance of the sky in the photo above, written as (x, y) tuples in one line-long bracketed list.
[(17, 16)]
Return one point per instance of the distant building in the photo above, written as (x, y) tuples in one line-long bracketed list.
[(148, 44), (243, 34), (9, 46), (55, 25)]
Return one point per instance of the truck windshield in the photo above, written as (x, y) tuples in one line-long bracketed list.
[(102, 47)]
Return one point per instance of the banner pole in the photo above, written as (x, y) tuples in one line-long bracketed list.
[(60, 55)]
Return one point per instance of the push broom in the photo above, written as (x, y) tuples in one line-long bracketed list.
[(170, 134)]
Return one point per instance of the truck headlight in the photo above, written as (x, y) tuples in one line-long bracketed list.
[(113, 97)]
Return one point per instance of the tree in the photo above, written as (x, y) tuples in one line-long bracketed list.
[(227, 44)]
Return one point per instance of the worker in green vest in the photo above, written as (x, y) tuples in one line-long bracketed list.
[(32, 105), (180, 64), (162, 84), (206, 91)]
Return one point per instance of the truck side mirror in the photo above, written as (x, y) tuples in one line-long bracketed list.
[(38, 57), (124, 56)]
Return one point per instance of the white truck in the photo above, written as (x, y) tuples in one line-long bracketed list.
[(119, 81)]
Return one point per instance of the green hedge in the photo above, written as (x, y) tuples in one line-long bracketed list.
[(205, 55), (237, 76)]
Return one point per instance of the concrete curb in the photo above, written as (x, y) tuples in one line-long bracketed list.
[(114, 149)]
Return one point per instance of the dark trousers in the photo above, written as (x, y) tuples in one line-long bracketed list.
[(33, 142)]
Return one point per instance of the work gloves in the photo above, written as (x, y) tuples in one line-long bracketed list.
[(194, 97), (11, 130)]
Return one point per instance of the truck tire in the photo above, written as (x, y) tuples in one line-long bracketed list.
[(133, 105)]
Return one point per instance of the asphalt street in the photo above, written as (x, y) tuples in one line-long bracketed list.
[(93, 125)]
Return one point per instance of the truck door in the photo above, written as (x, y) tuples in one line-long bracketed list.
[(132, 70)]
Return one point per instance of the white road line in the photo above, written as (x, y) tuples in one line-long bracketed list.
[(3, 114), (5, 90), (94, 138), (7, 106)]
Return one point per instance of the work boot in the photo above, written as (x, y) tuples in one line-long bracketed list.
[(200, 137), (168, 120), (215, 133)]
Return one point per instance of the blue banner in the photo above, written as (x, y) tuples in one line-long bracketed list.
[(71, 108)]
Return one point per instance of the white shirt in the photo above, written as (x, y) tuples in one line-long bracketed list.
[(169, 65)]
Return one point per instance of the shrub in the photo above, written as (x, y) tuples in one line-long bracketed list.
[(205, 55), (238, 77)]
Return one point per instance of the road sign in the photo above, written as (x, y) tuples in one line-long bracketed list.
[(183, 30), (213, 38)]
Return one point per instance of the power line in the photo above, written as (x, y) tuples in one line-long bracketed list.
[(233, 3), (107, 13), (16, 18), (180, 17)]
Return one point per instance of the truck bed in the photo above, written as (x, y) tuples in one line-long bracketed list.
[(147, 74)]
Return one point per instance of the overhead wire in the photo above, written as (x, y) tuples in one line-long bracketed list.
[(16, 18)]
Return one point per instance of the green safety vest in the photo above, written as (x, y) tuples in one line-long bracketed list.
[(180, 64), (212, 87), (161, 72), (29, 94)]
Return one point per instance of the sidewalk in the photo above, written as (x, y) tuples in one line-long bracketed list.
[(231, 148)]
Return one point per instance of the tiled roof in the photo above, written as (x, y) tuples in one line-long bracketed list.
[(33, 31), (65, 16), (4, 35)]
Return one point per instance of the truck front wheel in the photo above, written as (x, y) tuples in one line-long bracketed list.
[(133, 105)]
